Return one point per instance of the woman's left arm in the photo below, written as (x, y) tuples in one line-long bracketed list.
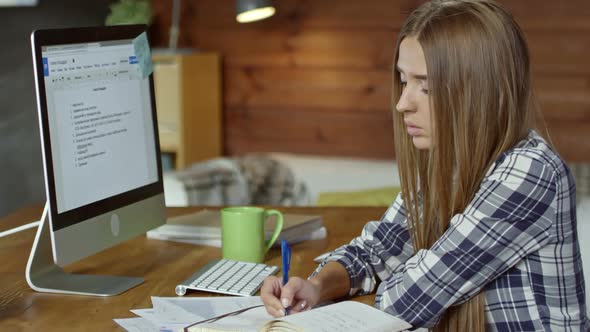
[(509, 218)]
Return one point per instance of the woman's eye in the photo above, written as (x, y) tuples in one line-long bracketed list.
[(403, 84), (424, 90)]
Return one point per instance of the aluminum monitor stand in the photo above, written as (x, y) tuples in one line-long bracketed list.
[(44, 276)]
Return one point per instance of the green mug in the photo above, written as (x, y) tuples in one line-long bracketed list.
[(242, 233)]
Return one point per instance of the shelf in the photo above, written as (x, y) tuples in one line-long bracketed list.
[(188, 103)]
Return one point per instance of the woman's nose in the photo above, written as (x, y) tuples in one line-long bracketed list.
[(404, 104)]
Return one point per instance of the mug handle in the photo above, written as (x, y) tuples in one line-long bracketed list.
[(278, 228)]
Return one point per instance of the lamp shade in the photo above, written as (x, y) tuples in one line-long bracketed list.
[(253, 10)]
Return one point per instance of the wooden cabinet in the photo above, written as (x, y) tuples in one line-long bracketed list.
[(188, 103)]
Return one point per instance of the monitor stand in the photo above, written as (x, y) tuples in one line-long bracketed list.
[(44, 276)]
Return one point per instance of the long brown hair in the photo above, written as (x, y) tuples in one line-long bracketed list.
[(481, 101)]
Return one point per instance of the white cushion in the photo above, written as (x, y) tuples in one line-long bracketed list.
[(324, 174)]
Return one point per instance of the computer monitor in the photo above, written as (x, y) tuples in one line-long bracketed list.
[(99, 138)]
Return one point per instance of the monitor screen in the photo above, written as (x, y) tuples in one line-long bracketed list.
[(100, 121), (99, 136)]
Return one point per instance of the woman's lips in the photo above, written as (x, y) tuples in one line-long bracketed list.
[(413, 130)]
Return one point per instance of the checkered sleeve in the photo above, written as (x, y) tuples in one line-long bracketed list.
[(382, 246), (509, 218)]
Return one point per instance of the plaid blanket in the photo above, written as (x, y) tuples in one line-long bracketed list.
[(252, 179)]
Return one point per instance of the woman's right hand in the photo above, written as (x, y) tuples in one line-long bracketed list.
[(297, 295)]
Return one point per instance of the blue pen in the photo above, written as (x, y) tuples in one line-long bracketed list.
[(286, 256)]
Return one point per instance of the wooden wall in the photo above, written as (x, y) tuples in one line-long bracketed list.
[(315, 78)]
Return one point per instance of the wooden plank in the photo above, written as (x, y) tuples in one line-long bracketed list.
[(368, 49), (563, 96), (364, 91), (561, 82), (353, 59), (570, 139), (548, 15), (301, 48), (568, 123), (578, 108), (553, 52), (312, 131)]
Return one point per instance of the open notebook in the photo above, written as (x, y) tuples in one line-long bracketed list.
[(341, 316)]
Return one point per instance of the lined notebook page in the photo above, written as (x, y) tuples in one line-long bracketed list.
[(249, 321), (341, 316)]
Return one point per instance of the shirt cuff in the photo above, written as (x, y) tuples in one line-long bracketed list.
[(355, 285)]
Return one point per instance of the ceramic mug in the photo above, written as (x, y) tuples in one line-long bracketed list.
[(242, 233)]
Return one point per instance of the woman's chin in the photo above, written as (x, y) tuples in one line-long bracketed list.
[(421, 142)]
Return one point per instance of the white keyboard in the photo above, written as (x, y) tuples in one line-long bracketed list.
[(228, 277)]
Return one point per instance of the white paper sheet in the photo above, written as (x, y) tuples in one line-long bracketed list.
[(200, 308), (171, 314), (137, 324), (160, 324)]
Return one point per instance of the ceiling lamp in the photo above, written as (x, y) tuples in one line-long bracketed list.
[(253, 10)]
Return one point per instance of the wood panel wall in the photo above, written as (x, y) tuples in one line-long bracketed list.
[(316, 77)]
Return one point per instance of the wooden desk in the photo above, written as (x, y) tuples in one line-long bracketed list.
[(163, 264)]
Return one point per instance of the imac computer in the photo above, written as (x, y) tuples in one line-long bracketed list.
[(99, 138)]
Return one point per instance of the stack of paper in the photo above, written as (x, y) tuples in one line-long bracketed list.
[(175, 313), (204, 228)]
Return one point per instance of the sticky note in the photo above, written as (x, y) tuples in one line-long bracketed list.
[(143, 55)]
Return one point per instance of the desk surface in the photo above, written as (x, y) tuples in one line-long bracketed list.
[(163, 264)]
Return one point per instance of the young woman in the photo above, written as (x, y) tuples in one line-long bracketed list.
[(483, 234)]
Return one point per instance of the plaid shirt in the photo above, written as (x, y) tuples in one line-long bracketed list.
[(516, 241)]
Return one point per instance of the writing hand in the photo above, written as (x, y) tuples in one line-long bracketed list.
[(297, 295)]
